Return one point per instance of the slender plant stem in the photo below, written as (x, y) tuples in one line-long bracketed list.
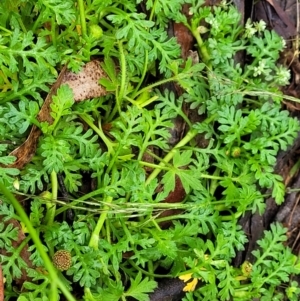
[(151, 165), (143, 74), (148, 273), (36, 23), (80, 200), (152, 10), (19, 249), (82, 17), (53, 32), (99, 132), (88, 294), (52, 208), (123, 76), (94, 241), (188, 137), (202, 48), (159, 83)]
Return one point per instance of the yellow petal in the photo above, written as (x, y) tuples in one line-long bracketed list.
[(186, 277), (190, 287)]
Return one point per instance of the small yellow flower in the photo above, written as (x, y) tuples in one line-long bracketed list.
[(190, 286)]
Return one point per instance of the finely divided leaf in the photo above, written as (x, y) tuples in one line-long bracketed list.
[(139, 288)]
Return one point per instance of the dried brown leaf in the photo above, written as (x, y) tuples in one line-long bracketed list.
[(25, 151), (84, 85)]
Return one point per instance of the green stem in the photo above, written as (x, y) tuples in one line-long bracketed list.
[(88, 294), (80, 200), (16, 254), (6, 30), (152, 165), (202, 48), (141, 103), (99, 132), (153, 10), (156, 84), (123, 76), (143, 74), (246, 74), (51, 206), (188, 137), (107, 25), (53, 291), (186, 216), (53, 32), (111, 9), (37, 22), (94, 241), (54, 183), (147, 273), (176, 77), (24, 29), (214, 183), (127, 232), (231, 217), (39, 246), (82, 17), (107, 227)]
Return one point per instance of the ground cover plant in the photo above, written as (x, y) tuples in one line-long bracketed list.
[(92, 219)]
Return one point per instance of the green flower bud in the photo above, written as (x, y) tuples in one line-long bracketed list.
[(236, 152), (246, 268), (96, 31)]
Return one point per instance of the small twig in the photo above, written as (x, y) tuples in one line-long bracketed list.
[(290, 202), (295, 241), (293, 210)]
